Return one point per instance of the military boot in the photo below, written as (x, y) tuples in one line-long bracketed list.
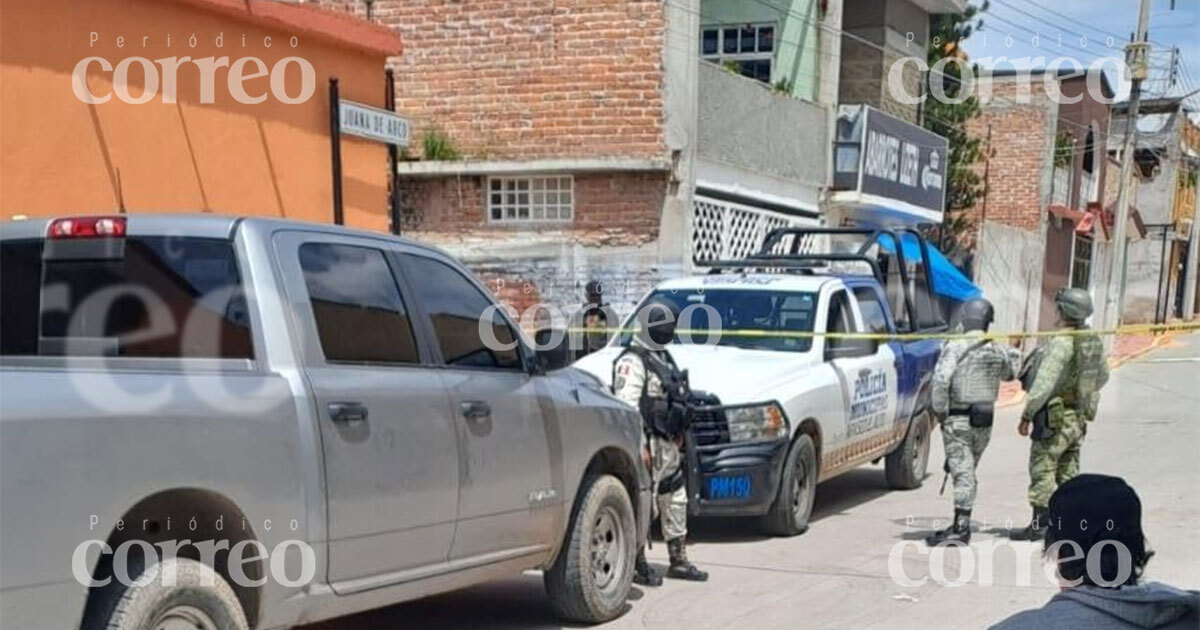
[(1036, 530), (959, 530), (643, 573), (680, 568)]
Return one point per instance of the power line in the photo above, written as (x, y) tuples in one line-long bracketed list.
[(1047, 22), (837, 31), (1075, 21), (815, 76), (1093, 56), (1099, 135)]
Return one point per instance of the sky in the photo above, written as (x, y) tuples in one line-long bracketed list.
[(1060, 26)]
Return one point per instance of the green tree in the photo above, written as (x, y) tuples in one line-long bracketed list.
[(965, 185)]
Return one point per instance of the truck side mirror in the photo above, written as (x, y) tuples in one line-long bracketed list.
[(554, 357)]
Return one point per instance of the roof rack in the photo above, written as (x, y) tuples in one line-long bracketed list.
[(799, 262), (794, 259)]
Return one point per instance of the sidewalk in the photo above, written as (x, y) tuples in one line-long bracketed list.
[(1125, 348)]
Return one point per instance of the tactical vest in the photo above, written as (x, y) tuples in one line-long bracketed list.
[(1083, 378), (663, 417)]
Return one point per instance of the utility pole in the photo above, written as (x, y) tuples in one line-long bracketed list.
[(1137, 53)]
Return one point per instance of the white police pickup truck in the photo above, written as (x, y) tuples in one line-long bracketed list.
[(791, 407)]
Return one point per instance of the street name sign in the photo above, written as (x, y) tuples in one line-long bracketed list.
[(373, 123)]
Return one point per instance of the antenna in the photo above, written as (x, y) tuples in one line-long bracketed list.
[(120, 194)]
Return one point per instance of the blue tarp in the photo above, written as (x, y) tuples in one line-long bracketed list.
[(948, 281)]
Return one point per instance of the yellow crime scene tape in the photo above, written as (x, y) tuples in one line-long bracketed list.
[(1131, 329)]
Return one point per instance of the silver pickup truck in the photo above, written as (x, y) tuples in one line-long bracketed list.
[(222, 423)]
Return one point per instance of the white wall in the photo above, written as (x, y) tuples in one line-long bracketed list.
[(1009, 270)]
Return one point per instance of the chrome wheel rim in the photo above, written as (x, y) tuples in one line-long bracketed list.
[(608, 549), (184, 618)]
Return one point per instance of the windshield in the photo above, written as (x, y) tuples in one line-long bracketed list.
[(709, 316)]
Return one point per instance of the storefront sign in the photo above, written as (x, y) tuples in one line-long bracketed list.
[(887, 158), (373, 123)]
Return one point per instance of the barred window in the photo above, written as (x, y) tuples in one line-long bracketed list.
[(531, 199)]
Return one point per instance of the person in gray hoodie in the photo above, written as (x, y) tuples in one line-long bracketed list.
[(1100, 517)]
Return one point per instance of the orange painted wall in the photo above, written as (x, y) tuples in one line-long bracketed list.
[(59, 155)]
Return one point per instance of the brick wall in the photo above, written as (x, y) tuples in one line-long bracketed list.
[(1020, 159), (531, 78), (610, 208), (611, 237), (534, 79)]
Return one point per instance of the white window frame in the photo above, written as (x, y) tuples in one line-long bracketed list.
[(534, 196), (721, 56)]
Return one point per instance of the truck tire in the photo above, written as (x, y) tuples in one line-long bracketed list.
[(199, 599), (906, 466), (789, 514), (590, 579)]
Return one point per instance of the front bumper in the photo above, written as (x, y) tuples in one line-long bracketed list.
[(717, 485)]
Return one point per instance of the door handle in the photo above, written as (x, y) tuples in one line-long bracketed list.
[(347, 412), (474, 409)]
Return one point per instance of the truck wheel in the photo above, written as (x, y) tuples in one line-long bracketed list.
[(199, 600), (797, 489), (905, 467), (590, 579)]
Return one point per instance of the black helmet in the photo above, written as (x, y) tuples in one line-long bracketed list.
[(976, 314), (1075, 305), (593, 287), (656, 322)]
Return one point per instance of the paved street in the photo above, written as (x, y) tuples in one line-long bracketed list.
[(836, 575)]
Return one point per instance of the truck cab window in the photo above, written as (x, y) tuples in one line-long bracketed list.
[(357, 306), (839, 320), (873, 315), (162, 297), (456, 308)]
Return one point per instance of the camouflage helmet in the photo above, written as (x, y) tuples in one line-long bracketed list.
[(1075, 305)]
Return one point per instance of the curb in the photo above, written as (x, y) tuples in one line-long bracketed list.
[(1113, 363), (1155, 344)]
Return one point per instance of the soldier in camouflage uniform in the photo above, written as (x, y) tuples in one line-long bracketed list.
[(1062, 399), (966, 383), (637, 381)]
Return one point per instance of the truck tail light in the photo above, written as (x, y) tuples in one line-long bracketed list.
[(87, 227)]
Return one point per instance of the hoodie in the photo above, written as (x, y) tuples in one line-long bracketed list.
[(1150, 605)]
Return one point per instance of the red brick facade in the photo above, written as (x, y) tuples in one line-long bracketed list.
[(526, 79), (1019, 157), (610, 208), (522, 81), (1022, 148)]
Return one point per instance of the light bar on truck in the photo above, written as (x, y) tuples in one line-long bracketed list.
[(86, 227)]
